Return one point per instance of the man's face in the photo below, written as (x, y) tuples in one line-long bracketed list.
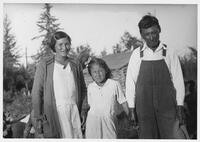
[(151, 36)]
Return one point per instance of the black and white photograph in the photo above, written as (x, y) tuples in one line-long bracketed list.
[(82, 70)]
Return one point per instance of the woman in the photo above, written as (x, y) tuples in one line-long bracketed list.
[(58, 92)]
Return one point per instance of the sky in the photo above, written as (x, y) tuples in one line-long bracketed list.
[(102, 25)]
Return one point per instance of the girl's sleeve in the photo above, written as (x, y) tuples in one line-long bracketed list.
[(119, 93)]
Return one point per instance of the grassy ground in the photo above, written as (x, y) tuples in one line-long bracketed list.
[(18, 106)]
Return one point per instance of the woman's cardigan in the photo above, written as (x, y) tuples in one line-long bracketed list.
[(43, 99)]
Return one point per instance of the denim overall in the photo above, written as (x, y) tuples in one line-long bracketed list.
[(155, 99)]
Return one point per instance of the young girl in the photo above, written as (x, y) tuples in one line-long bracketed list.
[(104, 94)]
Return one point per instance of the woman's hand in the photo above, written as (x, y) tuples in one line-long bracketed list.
[(83, 120)]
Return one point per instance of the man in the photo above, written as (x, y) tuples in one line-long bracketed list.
[(154, 84)]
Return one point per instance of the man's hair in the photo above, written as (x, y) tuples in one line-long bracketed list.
[(148, 21), (56, 36)]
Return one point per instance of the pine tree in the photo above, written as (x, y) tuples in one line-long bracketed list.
[(10, 51), (103, 53), (128, 41), (10, 55), (47, 26)]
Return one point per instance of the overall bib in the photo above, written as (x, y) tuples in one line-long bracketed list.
[(155, 100)]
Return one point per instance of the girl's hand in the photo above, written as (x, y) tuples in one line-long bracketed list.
[(125, 107), (39, 135), (39, 127), (132, 117)]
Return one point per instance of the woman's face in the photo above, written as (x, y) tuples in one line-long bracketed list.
[(98, 74), (62, 47)]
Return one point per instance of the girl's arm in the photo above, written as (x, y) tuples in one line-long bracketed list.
[(121, 98), (125, 108)]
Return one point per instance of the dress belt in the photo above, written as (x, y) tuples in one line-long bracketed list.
[(68, 102)]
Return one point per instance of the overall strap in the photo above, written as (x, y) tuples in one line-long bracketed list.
[(141, 52), (164, 50), (163, 53)]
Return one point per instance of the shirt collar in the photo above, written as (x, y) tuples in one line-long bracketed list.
[(105, 84), (51, 59), (157, 49)]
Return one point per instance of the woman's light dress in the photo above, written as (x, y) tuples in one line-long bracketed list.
[(66, 94)]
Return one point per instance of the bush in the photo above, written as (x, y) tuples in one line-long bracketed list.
[(20, 106)]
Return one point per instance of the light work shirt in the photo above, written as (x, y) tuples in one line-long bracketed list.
[(173, 65)]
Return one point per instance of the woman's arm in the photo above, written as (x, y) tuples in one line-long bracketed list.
[(82, 87), (37, 96)]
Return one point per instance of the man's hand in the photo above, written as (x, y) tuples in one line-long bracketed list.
[(181, 115), (132, 116)]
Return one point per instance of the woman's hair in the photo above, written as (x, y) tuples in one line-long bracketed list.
[(56, 36), (102, 64), (148, 21)]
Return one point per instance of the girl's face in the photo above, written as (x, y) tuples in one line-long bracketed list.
[(62, 47), (98, 74)]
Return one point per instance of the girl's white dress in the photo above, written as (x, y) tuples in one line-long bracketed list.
[(65, 89), (104, 102)]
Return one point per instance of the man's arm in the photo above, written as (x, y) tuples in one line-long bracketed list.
[(178, 81), (131, 77), (177, 78)]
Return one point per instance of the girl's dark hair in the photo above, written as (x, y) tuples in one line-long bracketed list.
[(56, 36), (148, 21), (102, 64)]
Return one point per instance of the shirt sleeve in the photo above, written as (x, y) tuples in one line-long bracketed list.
[(131, 77), (177, 78), (120, 94)]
